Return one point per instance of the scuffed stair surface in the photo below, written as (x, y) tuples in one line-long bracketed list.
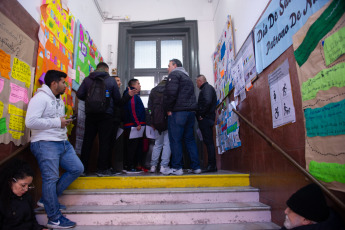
[(242, 226)]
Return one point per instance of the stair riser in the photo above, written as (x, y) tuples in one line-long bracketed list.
[(220, 217), (165, 198)]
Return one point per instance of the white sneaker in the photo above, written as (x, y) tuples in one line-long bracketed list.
[(164, 169), (153, 169), (197, 171), (177, 172)]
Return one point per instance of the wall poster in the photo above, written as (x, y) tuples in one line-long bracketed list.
[(16, 81), (321, 70)]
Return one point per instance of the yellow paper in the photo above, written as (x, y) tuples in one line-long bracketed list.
[(5, 64), (21, 71), (16, 135), (1, 108), (16, 111), (17, 123)]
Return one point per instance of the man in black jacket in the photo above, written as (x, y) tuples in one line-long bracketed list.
[(101, 123), (180, 104), (307, 210), (206, 115)]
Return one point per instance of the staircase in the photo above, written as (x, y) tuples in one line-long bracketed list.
[(222, 200)]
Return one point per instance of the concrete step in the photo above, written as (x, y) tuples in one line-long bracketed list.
[(221, 178), (159, 196), (165, 214), (240, 226)]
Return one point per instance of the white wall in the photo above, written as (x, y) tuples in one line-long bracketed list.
[(244, 14)]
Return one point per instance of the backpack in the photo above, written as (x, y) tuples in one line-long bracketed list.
[(97, 101), (159, 118)]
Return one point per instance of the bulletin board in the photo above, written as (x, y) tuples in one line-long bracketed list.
[(319, 51), (16, 81)]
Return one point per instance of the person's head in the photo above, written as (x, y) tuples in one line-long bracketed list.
[(102, 67), (306, 206), (174, 63), (134, 83), (55, 80), (200, 80), (17, 178), (118, 81)]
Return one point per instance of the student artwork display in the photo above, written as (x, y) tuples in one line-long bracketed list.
[(223, 57), (283, 110), (56, 47), (16, 81), (227, 128), (319, 51), (86, 55), (281, 20)]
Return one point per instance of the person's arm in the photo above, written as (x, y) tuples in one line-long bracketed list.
[(204, 102), (82, 91), (34, 119), (134, 114)]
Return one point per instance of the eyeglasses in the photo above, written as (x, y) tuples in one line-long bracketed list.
[(24, 186)]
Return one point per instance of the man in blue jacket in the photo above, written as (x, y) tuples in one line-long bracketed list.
[(99, 122), (134, 116), (180, 104)]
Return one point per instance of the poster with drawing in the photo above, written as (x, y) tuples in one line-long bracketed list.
[(16, 81), (283, 110), (223, 57), (319, 51)]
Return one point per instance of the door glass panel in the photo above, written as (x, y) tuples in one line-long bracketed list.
[(145, 54), (145, 100), (170, 49), (146, 82)]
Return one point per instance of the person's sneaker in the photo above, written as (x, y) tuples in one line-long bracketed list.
[(130, 171), (177, 172), (197, 171), (115, 172), (153, 169), (61, 223), (164, 169), (102, 173), (210, 169), (40, 204)]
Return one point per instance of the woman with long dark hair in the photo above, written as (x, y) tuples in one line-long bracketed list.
[(16, 206)]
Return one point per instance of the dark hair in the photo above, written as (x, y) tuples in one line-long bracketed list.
[(115, 76), (102, 65), (53, 75), (132, 81), (17, 169), (176, 62)]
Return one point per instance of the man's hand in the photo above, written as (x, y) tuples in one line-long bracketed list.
[(138, 127), (132, 92), (64, 121), (169, 113), (200, 118)]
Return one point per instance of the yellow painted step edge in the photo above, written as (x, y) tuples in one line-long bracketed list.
[(184, 181)]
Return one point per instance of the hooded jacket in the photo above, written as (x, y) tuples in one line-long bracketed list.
[(179, 92), (43, 116), (110, 85), (207, 102), (134, 112)]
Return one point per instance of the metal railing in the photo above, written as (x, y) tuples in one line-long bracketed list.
[(15, 153), (287, 156)]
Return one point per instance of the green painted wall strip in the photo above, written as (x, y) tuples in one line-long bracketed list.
[(319, 29)]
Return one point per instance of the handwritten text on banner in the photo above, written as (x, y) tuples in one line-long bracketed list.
[(334, 46), (18, 94), (5, 64), (21, 71)]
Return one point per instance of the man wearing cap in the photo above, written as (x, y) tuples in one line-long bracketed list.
[(307, 210)]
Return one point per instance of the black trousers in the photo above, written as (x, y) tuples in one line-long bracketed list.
[(134, 151), (206, 128), (103, 125)]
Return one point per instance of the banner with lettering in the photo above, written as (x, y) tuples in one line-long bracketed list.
[(281, 20), (86, 55), (16, 81), (319, 51), (223, 57), (56, 47)]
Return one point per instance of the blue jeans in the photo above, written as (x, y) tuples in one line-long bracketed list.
[(180, 128), (50, 155), (161, 142)]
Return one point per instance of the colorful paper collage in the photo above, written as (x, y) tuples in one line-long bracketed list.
[(223, 57), (16, 82), (86, 55), (321, 69), (56, 46)]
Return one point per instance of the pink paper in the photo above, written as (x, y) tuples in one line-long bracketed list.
[(18, 94), (2, 82)]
